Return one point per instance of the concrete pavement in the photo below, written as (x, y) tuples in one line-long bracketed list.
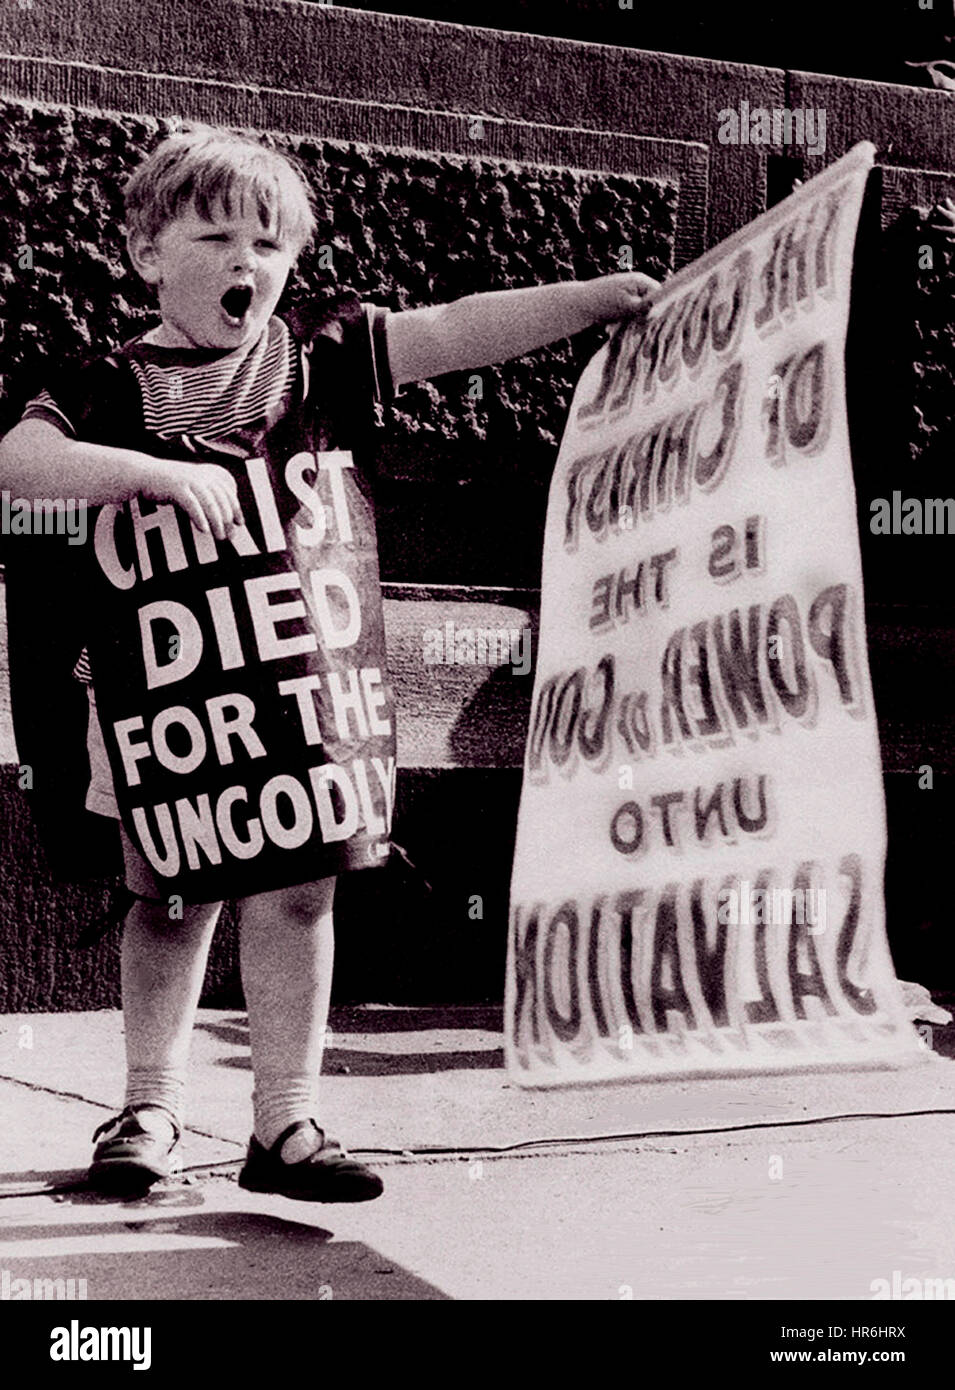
[(777, 1201)]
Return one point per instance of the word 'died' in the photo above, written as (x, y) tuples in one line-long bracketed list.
[(333, 602), (632, 964)]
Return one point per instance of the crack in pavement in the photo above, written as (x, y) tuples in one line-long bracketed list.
[(102, 1105)]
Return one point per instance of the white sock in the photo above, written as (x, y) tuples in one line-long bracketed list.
[(156, 1086), (282, 1100)]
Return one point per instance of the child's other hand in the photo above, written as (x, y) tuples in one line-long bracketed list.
[(619, 296), (205, 491)]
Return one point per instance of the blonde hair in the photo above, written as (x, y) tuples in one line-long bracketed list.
[(212, 170)]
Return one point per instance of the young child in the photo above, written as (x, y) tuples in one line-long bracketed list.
[(215, 222)]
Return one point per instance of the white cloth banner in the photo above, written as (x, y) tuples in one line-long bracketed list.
[(697, 883)]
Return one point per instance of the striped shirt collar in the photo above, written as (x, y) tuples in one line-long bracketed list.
[(205, 391)]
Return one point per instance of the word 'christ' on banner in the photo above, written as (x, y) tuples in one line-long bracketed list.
[(241, 684), (697, 882)]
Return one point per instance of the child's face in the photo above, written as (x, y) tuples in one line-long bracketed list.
[(218, 281)]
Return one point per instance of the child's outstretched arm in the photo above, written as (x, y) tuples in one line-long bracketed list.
[(39, 460), (485, 328)]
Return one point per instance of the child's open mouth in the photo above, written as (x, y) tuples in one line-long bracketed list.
[(235, 302)]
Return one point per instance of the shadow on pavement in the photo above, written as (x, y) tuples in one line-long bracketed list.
[(230, 1030), (405, 1019), (340, 1061), (343, 1019), (206, 1255), (37, 1179)]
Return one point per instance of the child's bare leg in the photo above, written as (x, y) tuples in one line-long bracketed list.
[(286, 952), (162, 968)]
